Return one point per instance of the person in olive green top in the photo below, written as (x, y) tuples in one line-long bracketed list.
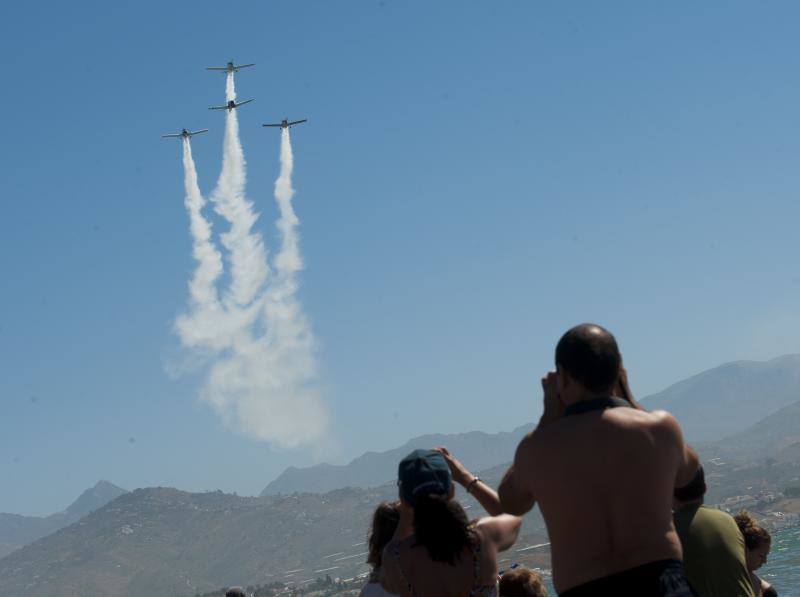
[(713, 546)]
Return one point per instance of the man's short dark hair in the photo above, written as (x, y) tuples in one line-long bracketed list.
[(235, 592), (589, 354)]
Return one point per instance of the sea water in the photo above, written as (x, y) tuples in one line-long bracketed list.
[(783, 563)]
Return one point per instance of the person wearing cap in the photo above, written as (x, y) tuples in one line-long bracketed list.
[(602, 471), (713, 546), (435, 550)]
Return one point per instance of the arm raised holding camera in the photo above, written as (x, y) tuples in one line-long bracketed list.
[(486, 496)]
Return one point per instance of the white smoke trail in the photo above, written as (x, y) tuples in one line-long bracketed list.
[(288, 329), (202, 289), (248, 258), (262, 377), (230, 88)]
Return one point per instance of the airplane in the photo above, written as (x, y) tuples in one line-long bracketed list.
[(230, 67), (185, 134), (230, 105), (285, 124)]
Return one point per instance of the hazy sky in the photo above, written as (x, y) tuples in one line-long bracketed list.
[(475, 178)]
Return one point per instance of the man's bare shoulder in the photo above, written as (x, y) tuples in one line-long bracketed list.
[(661, 424), (657, 419), (665, 422)]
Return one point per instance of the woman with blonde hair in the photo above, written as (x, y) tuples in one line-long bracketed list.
[(757, 542)]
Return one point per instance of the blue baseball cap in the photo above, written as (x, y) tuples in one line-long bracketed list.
[(423, 472)]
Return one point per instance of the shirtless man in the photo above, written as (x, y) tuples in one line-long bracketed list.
[(603, 471)]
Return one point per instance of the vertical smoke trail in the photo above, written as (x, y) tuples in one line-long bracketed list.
[(202, 288), (289, 336), (288, 260), (230, 88), (248, 257), (263, 369)]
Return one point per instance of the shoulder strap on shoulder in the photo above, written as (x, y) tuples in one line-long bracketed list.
[(396, 554)]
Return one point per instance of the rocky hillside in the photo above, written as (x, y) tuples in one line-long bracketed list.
[(775, 437), (16, 531), (166, 542)]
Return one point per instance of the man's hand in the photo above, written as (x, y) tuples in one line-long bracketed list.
[(460, 473), (553, 407)]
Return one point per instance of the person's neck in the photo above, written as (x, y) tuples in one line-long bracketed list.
[(584, 397)]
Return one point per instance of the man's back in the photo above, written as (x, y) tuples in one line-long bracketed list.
[(713, 552), (604, 480)]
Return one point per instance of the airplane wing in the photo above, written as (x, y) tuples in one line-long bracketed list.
[(216, 68), (218, 107), (198, 132), (244, 65), (276, 125), (298, 121), (165, 136), (244, 102)]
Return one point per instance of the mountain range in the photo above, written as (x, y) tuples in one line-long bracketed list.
[(477, 450), (165, 542), (727, 399), (16, 530), (776, 437), (709, 406), (306, 524)]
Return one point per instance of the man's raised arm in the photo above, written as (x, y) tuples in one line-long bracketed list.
[(688, 460), (515, 496)]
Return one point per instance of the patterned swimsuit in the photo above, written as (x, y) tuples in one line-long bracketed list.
[(477, 590)]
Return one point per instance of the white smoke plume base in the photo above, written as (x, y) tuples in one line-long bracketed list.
[(262, 349)]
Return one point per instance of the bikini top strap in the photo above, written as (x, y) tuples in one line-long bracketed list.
[(396, 553), (476, 563)]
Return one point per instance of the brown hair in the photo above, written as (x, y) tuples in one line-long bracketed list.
[(754, 534), (442, 528), (384, 523), (522, 582)]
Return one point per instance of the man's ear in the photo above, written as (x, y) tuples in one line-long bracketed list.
[(563, 380), (451, 493)]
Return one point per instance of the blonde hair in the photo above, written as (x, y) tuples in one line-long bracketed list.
[(522, 582), (754, 534)]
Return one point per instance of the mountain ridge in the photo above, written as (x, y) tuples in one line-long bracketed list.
[(742, 390), (17, 530), (476, 449)]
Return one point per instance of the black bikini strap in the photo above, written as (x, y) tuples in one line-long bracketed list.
[(585, 406)]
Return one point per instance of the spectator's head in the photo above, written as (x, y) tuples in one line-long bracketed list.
[(692, 493), (235, 592), (384, 523), (588, 363), (757, 540), (423, 473), (440, 523), (521, 582)]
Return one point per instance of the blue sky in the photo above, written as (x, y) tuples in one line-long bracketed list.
[(475, 178)]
